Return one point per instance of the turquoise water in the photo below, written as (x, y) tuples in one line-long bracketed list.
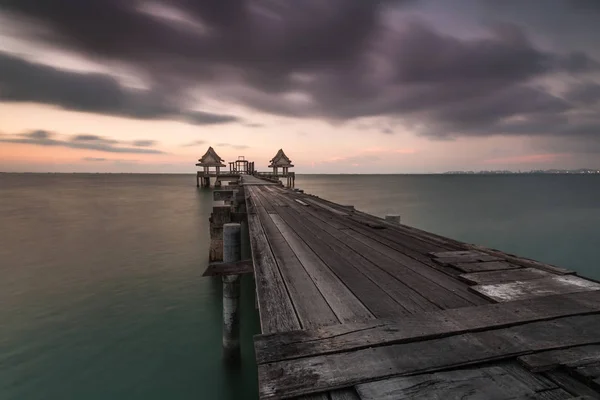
[(101, 294)]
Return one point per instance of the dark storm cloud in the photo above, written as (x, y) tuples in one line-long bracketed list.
[(85, 142), (584, 93), (331, 59), (23, 81)]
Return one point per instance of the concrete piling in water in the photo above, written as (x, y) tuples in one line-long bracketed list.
[(220, 216), (394, 218), (231, 291)]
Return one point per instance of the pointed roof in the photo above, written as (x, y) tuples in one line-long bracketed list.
[(210, 159), (280, 160)]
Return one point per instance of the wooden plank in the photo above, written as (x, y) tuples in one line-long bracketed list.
[(572, 357), (364, 279), (341, 300), (484, 266), (503, 276), (473, 258), (572, 385), (347, 337), (236, 268), (275, 306), (559, 284), (435, 286), (309, 303), (325, 206), (315, 374), (456, 253), (394, 279), (488, 383), (522, 261), (301, 202), (383, 229)]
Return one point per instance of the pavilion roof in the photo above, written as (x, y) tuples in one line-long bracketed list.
[(280, 160), (210, 159)]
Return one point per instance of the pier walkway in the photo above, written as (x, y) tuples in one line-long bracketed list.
[(355, 307)]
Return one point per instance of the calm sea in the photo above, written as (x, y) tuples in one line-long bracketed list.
[(101, 295)]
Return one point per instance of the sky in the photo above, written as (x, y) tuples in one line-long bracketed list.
[(342, 86)]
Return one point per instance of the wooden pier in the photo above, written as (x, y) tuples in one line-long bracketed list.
[(357, 307)]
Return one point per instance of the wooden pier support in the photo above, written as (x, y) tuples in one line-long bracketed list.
[(220, 216), (231, 291)]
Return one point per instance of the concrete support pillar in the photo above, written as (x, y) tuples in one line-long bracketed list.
[(394, 218), (198, 179), (220, 216), (231, 292)]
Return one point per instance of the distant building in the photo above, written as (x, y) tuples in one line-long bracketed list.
[(211, 159), (280, 161)]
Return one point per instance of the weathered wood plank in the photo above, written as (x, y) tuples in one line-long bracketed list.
[(525, 262), (483, 266), (474, 258), (488, 383), (435, 286), (456, 253), (394, 278), (559, 284), (324, 206), (236, 268), (504, 276), (364, 279), (275, 306), (309, 303), (316, 374), (572, 357), (572, 385), (347, 337), (341, 300)]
